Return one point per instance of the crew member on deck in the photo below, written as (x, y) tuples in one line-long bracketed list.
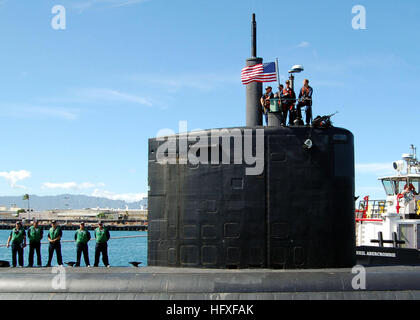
[(305, 99), (265, 102), (18, 238), (409, 188), (54, 237), (82, 237), (288, 98), (35, 235), (102, 236), (278, 93)]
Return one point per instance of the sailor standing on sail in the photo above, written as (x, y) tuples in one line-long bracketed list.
[(277, 95), (102, 236), (18, 238), (54, 237), (82, 237), (288, 98), (35, 235), (305, 99), (265, 102)]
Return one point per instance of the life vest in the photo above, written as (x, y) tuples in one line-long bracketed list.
[(82, 236), (267, 98), (54, 233), (17, 235), (304, 91), (100, 235), (289, 92), (34, 234)]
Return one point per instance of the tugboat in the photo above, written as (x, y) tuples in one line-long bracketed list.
[(388, 231)]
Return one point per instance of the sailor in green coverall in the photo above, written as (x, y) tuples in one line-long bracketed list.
[(82, 237), (54, 237), (18, 238), (35, 235), (102, 236)]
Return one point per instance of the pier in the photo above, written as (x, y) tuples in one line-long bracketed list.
[(74, 224)]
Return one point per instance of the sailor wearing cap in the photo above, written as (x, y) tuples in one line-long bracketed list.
[(82, 237), (35, 235), (102, 236), (54, 237), (278, 93), (288, 98), (18, 238), (265, 102)]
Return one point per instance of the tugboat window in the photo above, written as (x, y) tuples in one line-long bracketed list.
[(388, 187), (416, 184), (399, 185)]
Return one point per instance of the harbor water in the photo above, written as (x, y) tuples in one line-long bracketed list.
[(120, 251)]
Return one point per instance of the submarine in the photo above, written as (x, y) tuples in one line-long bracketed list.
[(254, 212), (294, 209)]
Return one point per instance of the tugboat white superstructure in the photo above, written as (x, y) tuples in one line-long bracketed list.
[(388, 231)]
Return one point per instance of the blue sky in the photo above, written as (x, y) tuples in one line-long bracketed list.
[(78, 105)]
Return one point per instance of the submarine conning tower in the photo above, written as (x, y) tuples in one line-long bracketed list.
[(297, 212)]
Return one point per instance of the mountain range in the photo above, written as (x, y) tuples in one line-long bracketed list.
[(68, 201)]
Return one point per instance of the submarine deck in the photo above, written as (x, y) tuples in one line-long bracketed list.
[(391, 283)]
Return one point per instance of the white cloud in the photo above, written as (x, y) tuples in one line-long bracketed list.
[(374, 168), (12, 177), (128, 197), (23, 110), (103, 94), (123, 3), (63, 113), (175, 82), (304, 44), (71, 185), (84, 5)]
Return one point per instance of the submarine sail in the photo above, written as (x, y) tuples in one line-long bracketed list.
[(298, 212)]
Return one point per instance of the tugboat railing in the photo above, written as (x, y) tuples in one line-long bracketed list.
[(370, 210)]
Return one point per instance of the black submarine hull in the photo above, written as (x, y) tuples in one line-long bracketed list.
[(298, 213), (159, 283)]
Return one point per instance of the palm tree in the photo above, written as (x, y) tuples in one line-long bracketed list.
[(26, 197)]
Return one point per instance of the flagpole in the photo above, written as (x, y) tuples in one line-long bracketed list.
[(277, 70)]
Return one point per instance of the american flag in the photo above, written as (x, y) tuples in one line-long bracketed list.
[(262, 72)]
